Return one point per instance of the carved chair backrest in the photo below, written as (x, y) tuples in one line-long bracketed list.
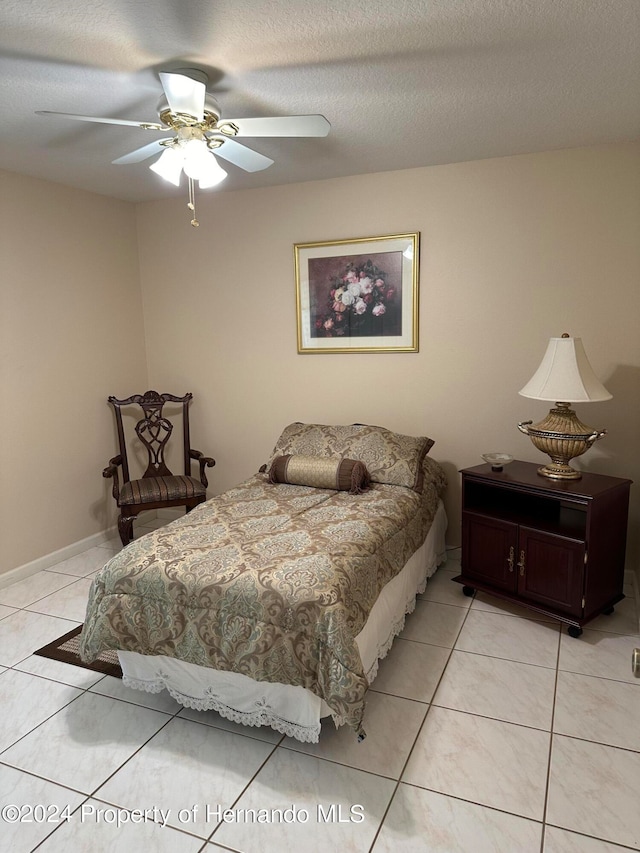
[(153, 430)]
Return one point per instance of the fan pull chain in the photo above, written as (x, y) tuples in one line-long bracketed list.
[(192, 202)]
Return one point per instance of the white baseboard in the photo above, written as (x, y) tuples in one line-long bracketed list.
[(49, 560)]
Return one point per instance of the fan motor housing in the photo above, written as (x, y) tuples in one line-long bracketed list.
[(177, 120)]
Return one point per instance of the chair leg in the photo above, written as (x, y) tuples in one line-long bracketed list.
[(125, 528)]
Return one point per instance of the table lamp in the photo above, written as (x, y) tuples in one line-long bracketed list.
[(564, 377)]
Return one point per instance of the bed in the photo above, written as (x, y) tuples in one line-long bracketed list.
[(273, 602)]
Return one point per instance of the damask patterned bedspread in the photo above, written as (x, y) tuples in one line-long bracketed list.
[(273, 581)]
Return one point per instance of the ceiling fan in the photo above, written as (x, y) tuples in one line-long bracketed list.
[(198, 130)]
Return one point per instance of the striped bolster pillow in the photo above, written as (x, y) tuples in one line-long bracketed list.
[(320, 472)]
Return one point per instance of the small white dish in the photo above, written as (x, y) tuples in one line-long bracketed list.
[(497, 460)]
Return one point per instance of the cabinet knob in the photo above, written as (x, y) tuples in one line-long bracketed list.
[(521, 564), (511, 559)]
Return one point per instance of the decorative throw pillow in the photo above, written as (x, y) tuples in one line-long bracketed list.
[(390, 457), (321, 472)]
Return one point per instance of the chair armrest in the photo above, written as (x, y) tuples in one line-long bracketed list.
[(112, 471), (205, 462)]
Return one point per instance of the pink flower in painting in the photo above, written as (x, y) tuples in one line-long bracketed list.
[(379, 310), (360, 307), (328, 324), (366, 285)]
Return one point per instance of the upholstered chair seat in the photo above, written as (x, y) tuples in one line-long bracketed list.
[(160, 489)]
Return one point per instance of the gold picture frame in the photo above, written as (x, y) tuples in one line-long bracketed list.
[(358, 295)]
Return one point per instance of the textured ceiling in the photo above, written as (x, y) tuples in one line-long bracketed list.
[(404, 83)]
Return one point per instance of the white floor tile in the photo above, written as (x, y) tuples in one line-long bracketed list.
[(23, 632), (33, 588), (441, 588), (6, 611), (598, 709), (56, 670), (411, 670), (310, 784), (561, 841), (70, 602), (93, 829), (482, 760), (503, 689), (437, 624), (187, 765), (26, 701), (593, 790), (491, 604), (50, 803), (595, 653), (84, 743), (477, 771), (510, 637), (419, 821), (87, 562), (623, 620), (113, 687), (377, 753)]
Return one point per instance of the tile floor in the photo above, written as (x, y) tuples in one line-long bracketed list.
[(488, 730)]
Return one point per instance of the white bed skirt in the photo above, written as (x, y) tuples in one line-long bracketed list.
[(294, 711)]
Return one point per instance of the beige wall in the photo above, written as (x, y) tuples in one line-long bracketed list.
[(514, 251), (71, 333)]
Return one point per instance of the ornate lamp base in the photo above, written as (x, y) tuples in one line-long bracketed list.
[(559, 471), (562, 437)]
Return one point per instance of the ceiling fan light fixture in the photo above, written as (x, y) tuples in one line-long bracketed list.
[(169, 166), (196, 156), (212, 174)]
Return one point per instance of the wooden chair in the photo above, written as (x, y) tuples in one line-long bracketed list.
[(158, 487)]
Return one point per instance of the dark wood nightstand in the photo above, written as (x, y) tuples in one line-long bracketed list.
[(556, 547)]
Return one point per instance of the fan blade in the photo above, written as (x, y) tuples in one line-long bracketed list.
[(142, 153), (184, 94), (315, 125), (240, 155), (145, 125)]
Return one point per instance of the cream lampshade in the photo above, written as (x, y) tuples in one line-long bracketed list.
[(564, 376)]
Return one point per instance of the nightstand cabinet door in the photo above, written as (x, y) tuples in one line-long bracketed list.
[(489, 548), (551, 570)]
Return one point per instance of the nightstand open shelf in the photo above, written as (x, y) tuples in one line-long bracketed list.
[(556, 547)]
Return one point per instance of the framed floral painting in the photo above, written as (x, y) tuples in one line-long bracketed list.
[(358, 295)]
